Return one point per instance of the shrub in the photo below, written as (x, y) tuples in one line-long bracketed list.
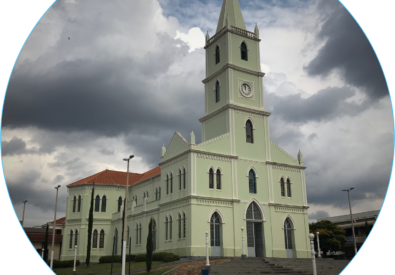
[(140, 258), (117, 259), (165, 257), (63, 264)]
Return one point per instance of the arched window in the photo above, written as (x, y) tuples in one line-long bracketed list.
[(215, 230), (156, 194), (211, 178), (253, 212), (179, 178), (159, 192), (74, 203), (288, 234), (79, 203), (146, 194), (184, 175), (140, 233), (97, 203), (101, 244), (289, 188), (94, 243), (243, 50), (171, 182), (249, 132), (252, 181), (119, 204), (217, 57), (71, 239), (282, 184), (167, 227), (136, 199), (217, 98), (184, 224), (170, 227), (103, 203), (137, 233), (179, 225), (76, 238), (218, 179), (167, 184)]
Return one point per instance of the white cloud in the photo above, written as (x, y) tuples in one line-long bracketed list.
[(194, 38)]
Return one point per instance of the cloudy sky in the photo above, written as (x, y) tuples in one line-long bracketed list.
[(97, 81)]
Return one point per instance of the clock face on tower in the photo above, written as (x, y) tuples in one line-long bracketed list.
[(246, 89)]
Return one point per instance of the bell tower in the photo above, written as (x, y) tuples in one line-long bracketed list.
[(233, 75)]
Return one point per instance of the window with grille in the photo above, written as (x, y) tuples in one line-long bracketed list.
[(119, 204), (184, 224), (289, 188), (137, 234), (253, 212), (249, 132), (101, 243), (74, 203), (171, 182), (170, 227), (244, 53), (79, 203), (252, 181), (167, 228), (218, 179), (184, 175), (97, 203), (288, 234), (103, 204), (167, 184), (282, 187), (217, 92), (94, 243), (71, 239), (179, 226), (211, 178), (215, 230), (76, 238), (217, 56), (179, 178)]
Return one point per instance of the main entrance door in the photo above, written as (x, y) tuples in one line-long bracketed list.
[(215, 235), (254, 231), (288, 238)]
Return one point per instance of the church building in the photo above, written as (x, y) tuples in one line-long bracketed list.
[(236, 181)]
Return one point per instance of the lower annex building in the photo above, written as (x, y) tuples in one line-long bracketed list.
[(235, 178)]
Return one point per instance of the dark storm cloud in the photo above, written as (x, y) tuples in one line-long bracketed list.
[(348, 51), (325, 105), (16, 146)]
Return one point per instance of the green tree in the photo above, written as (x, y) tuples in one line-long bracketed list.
[(90, 224), (332, 237), (150, 247), (46, 244)]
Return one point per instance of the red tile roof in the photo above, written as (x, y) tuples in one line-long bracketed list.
[(60, 221), (40, 237), (117, 177)]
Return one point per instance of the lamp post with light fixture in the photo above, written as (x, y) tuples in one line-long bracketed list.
[(23, 215), (54, 225), (352, 221), (125, 217)]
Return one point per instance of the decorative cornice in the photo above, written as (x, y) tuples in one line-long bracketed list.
[(233, 30), (205, 156), (98, 186), (175, 159), (252, 160), (198, 152), (282, 150), (288, 206), (211, 140), (72, 221), (236, 107), (249, 114), (234, 67), (287, 167)]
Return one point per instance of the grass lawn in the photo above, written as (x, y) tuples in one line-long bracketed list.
[(103, 268)]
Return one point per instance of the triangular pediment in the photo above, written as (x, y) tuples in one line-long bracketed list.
[(178, 145)]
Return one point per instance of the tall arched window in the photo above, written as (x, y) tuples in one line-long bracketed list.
[(74, 203), (171, 182), (97, 203), (179, 225), (289, 188), (184, 224), (170, 227), (167, 184), (282, 185), (76, 238), (252, 181), (156, 194), (79, 203), (184, 175), (119, 204), (211, 179), (253, 212), (94, 243), (218, 179), (215, 232), (103, 203), (71, 239), (159, 192), (179, 178), (167, 227), (140, 233), (137, 233), (217, 98), (249, 132), (243, 50), (135, 199), (288, 234), (101, 243), (217, 57)]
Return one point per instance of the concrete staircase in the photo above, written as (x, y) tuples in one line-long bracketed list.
[(251, 266), (326, 266), (278, 266)]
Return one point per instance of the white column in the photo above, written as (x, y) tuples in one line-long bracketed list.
[(243, 254), (75, 259), (311, 236), (207, 260), (318, 245)]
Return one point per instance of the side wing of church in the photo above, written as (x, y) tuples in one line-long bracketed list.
[(237, 180)]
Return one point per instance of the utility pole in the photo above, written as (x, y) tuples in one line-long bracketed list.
[(352, 221)]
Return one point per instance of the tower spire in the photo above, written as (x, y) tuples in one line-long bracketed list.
[(231, 11)]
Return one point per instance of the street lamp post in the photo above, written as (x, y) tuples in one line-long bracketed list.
[(54, 225), (352, 221), (23, 215), (318, 244), (125, 217)]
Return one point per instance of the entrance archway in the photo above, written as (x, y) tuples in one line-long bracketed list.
[(288, 237), (215, 235), (255, 235)]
